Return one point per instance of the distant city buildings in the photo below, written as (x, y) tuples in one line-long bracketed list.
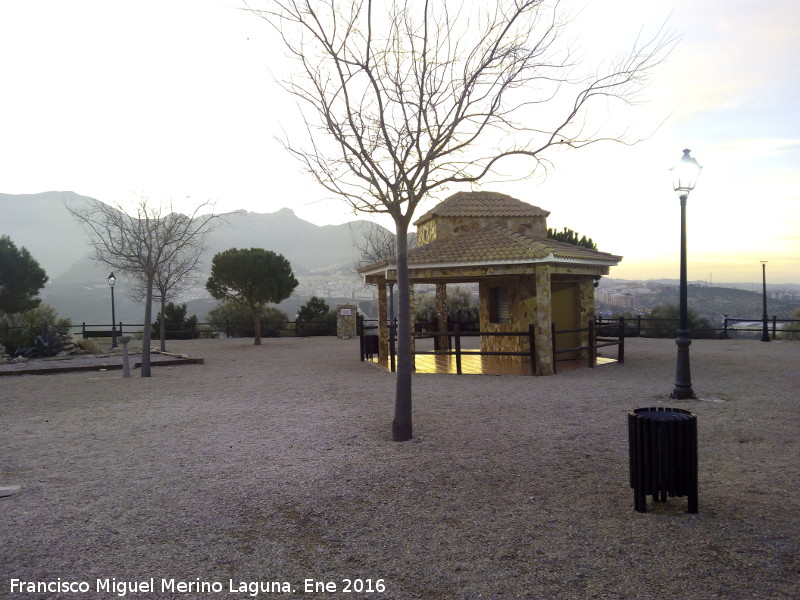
[(625, 300), (623, 295)]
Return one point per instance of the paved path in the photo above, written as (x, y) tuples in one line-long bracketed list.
[(89, 362)]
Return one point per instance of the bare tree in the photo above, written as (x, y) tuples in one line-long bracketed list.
[(144, 245), (401, 99), (171, 279)]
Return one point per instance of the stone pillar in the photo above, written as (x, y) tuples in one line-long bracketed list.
[(346, 321), (542, 326), (126, 365), (441, 342), (383, 328)]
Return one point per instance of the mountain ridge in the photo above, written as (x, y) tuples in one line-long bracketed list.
[(77, 287)]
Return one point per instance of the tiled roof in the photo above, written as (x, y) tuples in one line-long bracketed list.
[(494, 245), (482, 204)]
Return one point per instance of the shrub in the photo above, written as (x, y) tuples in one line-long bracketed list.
[(19, 330), (315, 317), (176, 325), (792, 330), (237, 320), (666, 320), (47, 343)]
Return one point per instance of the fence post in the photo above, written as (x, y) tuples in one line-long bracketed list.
[(553, 340), (83, 330), (725, 328), (532, 345), (774, 325), (638, 325), (456, 329), (621, 345), (592, 344)]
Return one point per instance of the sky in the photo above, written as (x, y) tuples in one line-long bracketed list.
[(177, 101)]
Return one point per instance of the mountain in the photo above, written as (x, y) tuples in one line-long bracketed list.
[(304, 244), (42, 224), (322, 257)]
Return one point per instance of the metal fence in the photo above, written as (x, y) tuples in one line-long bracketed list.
[(640, 326), (228, 329), (633, 327)]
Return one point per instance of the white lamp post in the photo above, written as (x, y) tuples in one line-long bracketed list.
[(111, 281), (684, 178)]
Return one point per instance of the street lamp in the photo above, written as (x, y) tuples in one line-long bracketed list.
[(765, 333), (111, 281), (684, 178)]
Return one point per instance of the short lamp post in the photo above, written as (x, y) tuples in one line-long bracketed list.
[(111, 281), (684, 178), (765, 332)]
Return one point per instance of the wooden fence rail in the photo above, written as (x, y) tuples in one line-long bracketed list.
[(368, 347)]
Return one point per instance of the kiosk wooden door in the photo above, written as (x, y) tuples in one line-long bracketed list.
[(564, 311)]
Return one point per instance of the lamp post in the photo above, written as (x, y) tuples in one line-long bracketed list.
[(111, 281), (684, 178), (765, 333)]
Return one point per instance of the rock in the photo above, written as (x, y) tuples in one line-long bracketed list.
[(19, 359), (89, 346), (8, 490)]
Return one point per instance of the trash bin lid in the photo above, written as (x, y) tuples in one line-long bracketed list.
[(662, 414)]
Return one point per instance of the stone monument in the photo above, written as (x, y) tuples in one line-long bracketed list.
[(346, 321)]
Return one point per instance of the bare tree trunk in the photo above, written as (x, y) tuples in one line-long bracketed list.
[(148, 317), (257, 326), (163, 332), (401, 426)]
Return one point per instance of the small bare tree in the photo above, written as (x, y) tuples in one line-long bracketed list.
[(377, 244), (171, 279), (404, 98), (144, 245), (373, 243)]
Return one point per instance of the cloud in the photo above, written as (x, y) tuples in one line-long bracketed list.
[(758, 148)]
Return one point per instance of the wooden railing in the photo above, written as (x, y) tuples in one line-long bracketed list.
[(369, 344), (595, 342)]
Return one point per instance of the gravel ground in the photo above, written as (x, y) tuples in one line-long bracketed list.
[(274, 463)]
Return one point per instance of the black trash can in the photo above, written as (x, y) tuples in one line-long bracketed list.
[(370, 345), (663, 455)]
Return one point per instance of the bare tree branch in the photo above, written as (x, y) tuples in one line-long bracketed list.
[(375, 243)]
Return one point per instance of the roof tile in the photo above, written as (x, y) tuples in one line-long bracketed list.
[(482, 204), (494, 244)]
